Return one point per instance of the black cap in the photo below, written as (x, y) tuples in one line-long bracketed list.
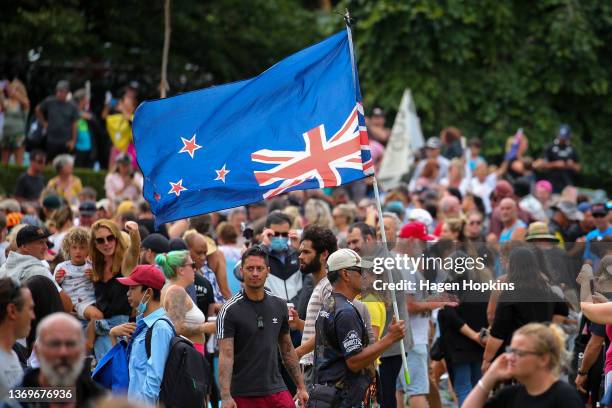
[(31, 233), (599, 209), (177, 244), (87, 208), (156, 243), (52, 202)]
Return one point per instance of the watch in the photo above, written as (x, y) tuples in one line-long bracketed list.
[(582, 372)]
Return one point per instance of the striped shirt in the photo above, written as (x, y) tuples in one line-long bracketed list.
[(319, 294)]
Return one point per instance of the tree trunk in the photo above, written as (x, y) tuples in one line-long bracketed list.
[(163, 85)]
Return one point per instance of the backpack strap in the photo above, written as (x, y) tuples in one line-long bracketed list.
[(149, 334)]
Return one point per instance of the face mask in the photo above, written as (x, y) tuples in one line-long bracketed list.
[(142, 306), (279, 243)]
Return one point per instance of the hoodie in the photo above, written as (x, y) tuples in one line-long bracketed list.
[(22, 267)]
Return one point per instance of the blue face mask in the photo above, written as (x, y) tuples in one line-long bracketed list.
[(279, 243), (142, 306)]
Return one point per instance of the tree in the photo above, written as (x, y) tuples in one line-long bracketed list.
[(490, 67)]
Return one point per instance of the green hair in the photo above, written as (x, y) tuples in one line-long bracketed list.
[(170, 261)]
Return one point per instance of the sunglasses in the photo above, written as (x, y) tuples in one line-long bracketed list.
[(103, 240), (281, 234), (358, 270), (521, 353), (475, 222), (599, 215), (193, 265)]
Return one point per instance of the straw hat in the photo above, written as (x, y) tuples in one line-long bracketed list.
[(539, 230)]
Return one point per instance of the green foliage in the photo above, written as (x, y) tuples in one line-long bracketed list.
[(485, 66), (89, 178), (490, 67)]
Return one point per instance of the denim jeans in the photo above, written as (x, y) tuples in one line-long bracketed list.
[(103, 327), (465, 377)]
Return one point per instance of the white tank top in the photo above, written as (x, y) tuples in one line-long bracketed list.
[(194, 315)]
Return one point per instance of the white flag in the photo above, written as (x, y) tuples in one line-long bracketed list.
[(406, 138)]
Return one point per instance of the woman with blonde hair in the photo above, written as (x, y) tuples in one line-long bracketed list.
[(534, 359), (113, 255), (343, 216), (15, 107), (188, 319), (316, 212)]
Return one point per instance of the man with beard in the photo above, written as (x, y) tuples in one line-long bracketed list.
[(60, 348), (151, 246), (316, 246)]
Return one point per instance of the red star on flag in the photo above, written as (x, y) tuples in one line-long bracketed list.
[(190, 146), (221, 173), (177, 187)]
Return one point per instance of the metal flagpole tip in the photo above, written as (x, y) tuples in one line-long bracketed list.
[(347, 17)]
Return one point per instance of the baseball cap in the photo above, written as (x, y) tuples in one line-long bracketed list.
[(52, 202), (10, 205), (343, 258), (31, 233), (62, 85), (378, 112), (433, 143), (599, 209), (416, 230), (125, 207), (421, 215), (157, 243), (123, 158), (104, 204), (178, 244), (569, 209), (145, 275), (564, 132), (87, 208)]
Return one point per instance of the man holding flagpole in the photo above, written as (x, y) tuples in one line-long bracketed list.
[(298, 125)]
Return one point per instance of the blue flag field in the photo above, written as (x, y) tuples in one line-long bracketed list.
[(298, 125)]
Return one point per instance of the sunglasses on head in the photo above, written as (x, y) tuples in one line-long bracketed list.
[(108, 238)]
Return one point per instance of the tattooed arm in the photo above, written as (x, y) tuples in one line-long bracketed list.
[(226, 365), (292, 364), (176, 305)]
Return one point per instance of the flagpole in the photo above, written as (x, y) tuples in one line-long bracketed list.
[(381, 224)]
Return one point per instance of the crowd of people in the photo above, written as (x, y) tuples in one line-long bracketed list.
[(279, 302)]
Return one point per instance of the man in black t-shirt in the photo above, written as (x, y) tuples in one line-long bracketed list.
[(59, 119), (343, 359), (251, 326), (561, 161), (31, 183)]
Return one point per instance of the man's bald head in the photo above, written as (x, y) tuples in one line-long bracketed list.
[(450, 205), (197, 247), (61, 322), (508, 211)]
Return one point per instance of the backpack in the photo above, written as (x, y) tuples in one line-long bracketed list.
[(186, 379)]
